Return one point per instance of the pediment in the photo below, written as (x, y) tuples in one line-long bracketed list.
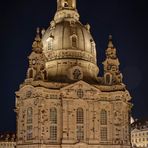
[(81, 90)]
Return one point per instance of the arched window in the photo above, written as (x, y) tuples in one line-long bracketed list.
[(29, 115), (103, 117), (108, 78), (50, 44), (80, 116), (80, 124), (53, 124), (74, 41), (31, 73)]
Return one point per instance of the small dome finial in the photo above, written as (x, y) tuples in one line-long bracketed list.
[(110, 44), (37, 38), (37, 44)]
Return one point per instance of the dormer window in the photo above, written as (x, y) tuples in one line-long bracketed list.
[(74, 41), (50, 43)]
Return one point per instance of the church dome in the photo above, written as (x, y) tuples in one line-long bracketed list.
[(68, 44), (70, 35)]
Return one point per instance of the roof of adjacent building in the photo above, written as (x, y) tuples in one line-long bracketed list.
[(140, 124), (8, 136)]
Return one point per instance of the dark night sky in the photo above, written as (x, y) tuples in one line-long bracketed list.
[(126, 20)]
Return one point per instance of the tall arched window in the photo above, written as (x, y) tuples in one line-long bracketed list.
[(80, 124), (103, 125), (80, 116), (50, 44), (103, 117), (53, 124), (29, 123)]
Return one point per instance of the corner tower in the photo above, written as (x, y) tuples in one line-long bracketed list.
[(63, 103)]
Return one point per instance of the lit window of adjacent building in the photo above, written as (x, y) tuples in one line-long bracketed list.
[(103, 117), (80, 124), (53, 124), (103, 133)]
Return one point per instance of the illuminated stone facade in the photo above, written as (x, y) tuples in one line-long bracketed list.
[(63, 103)]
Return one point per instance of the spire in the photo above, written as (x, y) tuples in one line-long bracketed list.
[(111, 64), (37, 44), (110, 43)]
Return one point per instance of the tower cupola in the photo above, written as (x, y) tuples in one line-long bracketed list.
[(66, 4), (66, 9)]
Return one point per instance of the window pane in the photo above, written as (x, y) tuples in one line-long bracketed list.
[(80, 116), (29, 132), (103, 133), (53, 115), (53, 132), (29, 115), (103, 117), (80, 132)]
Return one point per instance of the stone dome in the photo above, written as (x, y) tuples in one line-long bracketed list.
[(69, 48), (71, 36)]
